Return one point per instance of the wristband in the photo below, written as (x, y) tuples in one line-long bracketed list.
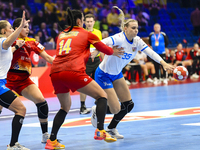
[(17, 47)]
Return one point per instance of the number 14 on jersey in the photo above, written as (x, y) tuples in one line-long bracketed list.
[(64, 47)]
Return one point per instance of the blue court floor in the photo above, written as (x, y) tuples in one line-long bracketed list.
[(164, 118)]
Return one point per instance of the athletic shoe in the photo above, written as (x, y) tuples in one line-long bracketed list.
[(165, 81), (114, 132), (54, 145), (45, 137), (156, 81), (103, 135), (134, 82), (17, 146), (84, 110), (127, 82), (149, 80), (94, 117), (194, 76)]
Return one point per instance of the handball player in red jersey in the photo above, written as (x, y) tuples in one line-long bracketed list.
[(18, 78), (68, 73)]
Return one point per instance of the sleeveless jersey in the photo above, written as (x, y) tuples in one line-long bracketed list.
[(21, 57), (73, 50), (113, 65)]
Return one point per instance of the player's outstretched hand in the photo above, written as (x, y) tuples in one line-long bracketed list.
[(118, 51), (24, 21), (94, 54), (167, 66)]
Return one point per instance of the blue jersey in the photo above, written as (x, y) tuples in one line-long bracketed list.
[(158, 42)]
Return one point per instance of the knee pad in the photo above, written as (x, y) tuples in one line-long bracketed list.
[(43, 110), (128, 106)]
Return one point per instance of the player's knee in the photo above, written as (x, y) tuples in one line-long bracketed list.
[(128, 106), (21, 110), (115, 110), (43, 110)]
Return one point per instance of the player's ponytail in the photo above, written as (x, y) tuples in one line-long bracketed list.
[(70, 20), (121, 17), (124, 23), (73, 15)]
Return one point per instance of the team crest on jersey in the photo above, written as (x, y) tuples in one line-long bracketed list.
[(134, 49)]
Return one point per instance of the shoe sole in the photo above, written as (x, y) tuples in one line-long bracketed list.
[(94, 121), (48, 147), (84, 113), (117, 137), (109, 140)]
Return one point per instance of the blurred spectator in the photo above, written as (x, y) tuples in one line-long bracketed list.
[(195, 19), (170, 59), (141, 59), (37, 38), (105, 11), (10, 18), (154, 9), (113, 18), (49, 6), (194, 54), (31, 29), (97, 23), (198, 41), (159, 41), (105, 34), (11, 8), (134, 69), (50, 19), (126, 14), (20, 11), (2, 15), (125, 74), (78, 4), (66, 4), (180, 58), (4, 9), (139, 5), (54, 31), (91, 9), (104, 25), (132, 15), (42, 40), (61, 15), (50, 43), (142, 22), (38, 19), (45, 34)]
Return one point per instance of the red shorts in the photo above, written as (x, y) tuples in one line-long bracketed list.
[(18, 81), (69, 80)]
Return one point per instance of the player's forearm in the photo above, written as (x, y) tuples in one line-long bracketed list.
[(103, 48)]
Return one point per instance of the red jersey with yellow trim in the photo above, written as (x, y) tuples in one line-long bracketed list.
[(73, 50), (21, 57)]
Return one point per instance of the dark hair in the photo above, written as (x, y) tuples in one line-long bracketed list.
[(73, 15), (17, 23)]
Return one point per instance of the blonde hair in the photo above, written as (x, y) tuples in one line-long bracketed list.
[(3, 25), (124, 23)]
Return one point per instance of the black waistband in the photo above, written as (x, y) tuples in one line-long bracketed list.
[(18, 71)]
